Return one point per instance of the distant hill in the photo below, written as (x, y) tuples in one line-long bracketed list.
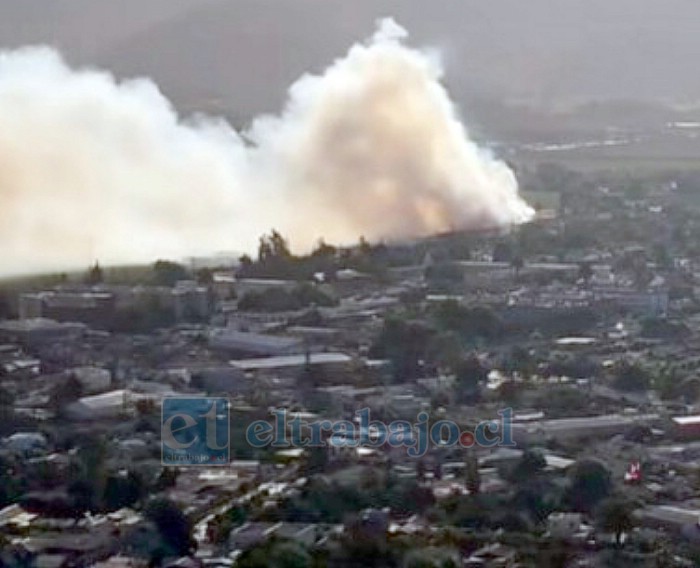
[(239, 56)]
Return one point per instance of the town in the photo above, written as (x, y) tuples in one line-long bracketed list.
[(585, 322)]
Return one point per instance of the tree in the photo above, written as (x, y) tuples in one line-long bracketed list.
[(470, 512), (420, 471), (519, 360), (275, 554), (94, 275), (364, 247), (689, 389), (517, 263), (316, 460), (537, 497), (662, 328), (472, 475), (531, 464), (364, 545), (167, 478), (8, 418), (431, 557), (631, 377), (585, 272), (324, 250), (614, 515), (167, 273), (450, 315), (276, 300), (405, 344), (12, 484), (89, 475), (662, 256), (6, 397), (503, 252), (445, 350), (5, 310), (469, 323), (563, 401), (173, 527), (65, 392), (510, 392), (590, 483), (220, 527), (469, 376), (576, 367), (123, 491), (83, 496), (205, 276), (274, 246)]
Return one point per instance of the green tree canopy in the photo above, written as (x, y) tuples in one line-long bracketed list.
[(167, 273), (590, 483), (173, 527), (469, 376), (631, 377), (614, 515)]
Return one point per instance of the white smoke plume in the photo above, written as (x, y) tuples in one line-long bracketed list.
[(95, 169)]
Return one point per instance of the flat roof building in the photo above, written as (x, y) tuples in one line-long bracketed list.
[(293, 361), (254, 344)]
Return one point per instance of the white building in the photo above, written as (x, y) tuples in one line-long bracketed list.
[(112, 404), (93, 380)]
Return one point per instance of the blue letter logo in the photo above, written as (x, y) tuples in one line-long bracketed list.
[(195, 431)]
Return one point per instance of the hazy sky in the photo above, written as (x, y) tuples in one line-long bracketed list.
[(239, 56)]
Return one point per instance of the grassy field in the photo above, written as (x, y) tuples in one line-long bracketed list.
[(127, 274), (660, 153)]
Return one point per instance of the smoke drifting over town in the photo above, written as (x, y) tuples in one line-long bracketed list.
[(91, 168)]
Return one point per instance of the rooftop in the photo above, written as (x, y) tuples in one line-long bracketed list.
[(36, 324), (687, 420), (253, 342), (290, 361)]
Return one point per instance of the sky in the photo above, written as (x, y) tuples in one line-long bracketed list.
[(239, 56)]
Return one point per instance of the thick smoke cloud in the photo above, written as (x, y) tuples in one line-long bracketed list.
[(95, 169)]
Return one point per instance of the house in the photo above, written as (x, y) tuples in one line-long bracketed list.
[(686, 427), (39, 331), (653, 301), (77, 548), (303, 533), (257, 285), (563, 525), (15, 516), (220, 379), (668, 517), (579, 428), (253, 344), (21, 368), (26, 442), (92, 379), (291, 365), (251, 534), (92, 307), (190, 301), (111, 404), (492, 555), (119, 561)]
